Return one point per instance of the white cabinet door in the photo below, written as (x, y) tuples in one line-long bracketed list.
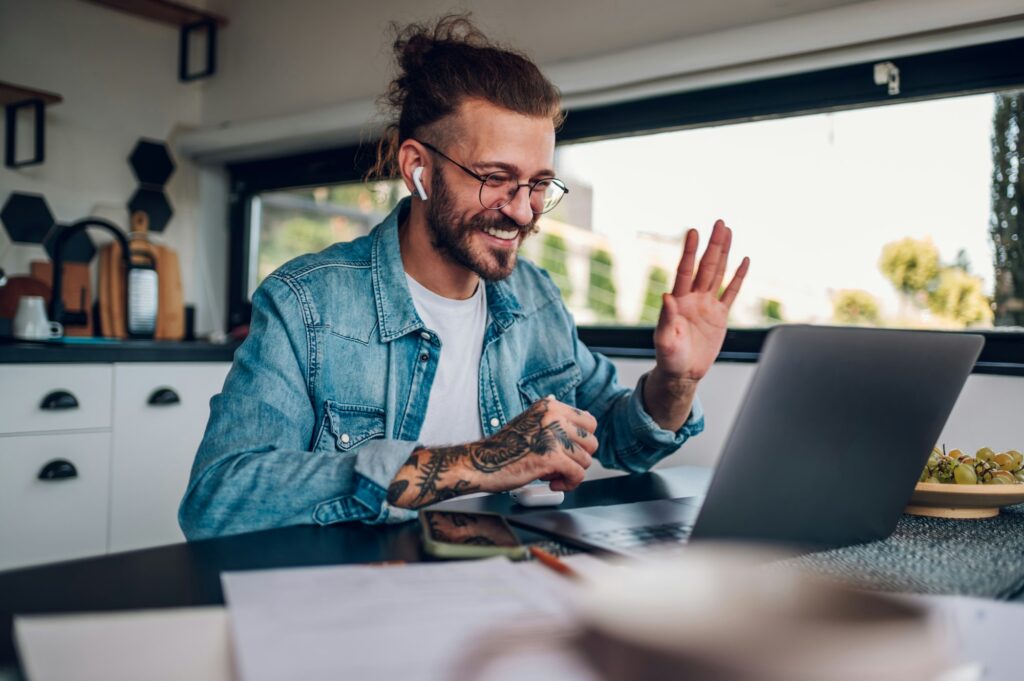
[(155, 444), (48, 397), (59, 518)]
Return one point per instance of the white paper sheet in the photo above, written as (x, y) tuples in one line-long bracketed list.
[(414, 622), (982, 637), (157, 645)]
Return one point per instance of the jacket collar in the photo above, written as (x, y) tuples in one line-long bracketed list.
[(395, 309)]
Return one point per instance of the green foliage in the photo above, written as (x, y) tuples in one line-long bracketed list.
[(856, 307), (601, 290), (771, 311), (554, 258), (291, 237), (1006, 225), (657, 284), (910, 264), (958, 296)]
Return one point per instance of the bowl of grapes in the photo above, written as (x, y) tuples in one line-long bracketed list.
[(958, 485)]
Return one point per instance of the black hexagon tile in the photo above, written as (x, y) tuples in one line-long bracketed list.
[(26, 217), (154, 204), (78, 248), (151, 162)]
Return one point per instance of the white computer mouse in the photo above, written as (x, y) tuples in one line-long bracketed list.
[(538, 494)]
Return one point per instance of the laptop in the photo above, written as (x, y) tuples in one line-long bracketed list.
[(825, 451)]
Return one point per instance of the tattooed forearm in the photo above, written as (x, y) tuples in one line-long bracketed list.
[(428, 472)]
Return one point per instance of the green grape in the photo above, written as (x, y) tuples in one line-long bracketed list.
[(1003, 478), (1018, 459), (944, 469), (1004, 461), (984, 470), (984, 454), (964, 474), (1019, 475), (932, 478)]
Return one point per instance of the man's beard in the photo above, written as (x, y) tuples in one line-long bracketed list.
[(451, 235)]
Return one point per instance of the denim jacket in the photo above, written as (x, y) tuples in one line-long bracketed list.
[(327, 395)]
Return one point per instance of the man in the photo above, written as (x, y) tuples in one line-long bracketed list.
[(425, 360)]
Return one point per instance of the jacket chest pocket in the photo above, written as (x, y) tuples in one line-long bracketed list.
[(349, 425), (559, 380)]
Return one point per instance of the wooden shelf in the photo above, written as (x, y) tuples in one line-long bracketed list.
[(15, 94), (164, 11)]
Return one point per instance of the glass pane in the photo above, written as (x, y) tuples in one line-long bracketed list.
[(290, 223), (881, 216)]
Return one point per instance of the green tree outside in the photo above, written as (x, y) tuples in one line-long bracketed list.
[(1006, 225), (554, 258), (910, 264), (771, 311), (657, 284), (856, 307), (960, 297), (601, 289)]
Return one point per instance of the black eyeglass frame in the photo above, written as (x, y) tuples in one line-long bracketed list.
[(482, 179)]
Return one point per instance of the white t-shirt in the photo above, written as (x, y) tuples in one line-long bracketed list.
[(453, 412)]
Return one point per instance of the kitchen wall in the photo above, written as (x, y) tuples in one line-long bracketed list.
[(118, 77)]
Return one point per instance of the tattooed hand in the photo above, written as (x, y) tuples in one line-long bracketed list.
[(549, 441)]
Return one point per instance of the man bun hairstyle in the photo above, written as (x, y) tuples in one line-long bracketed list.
[(444, 64)]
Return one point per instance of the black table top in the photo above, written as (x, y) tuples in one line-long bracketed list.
[(183, 575)]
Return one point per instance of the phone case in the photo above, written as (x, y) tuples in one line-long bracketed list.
[(440, 549)]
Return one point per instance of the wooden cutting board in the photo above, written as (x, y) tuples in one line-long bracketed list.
[(170, 321), (77, 286)]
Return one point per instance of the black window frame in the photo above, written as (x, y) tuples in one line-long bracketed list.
[(951, 72)]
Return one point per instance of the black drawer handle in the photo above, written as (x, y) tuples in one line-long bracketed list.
[(58, 469), (163, 396), (59, 399)]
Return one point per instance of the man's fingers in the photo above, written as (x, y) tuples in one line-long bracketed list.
[(709, 262), (733, 288), (723, 262), (684, 272)]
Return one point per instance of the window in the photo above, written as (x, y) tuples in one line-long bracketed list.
[(855, 205), (877, 216), (288, 223)]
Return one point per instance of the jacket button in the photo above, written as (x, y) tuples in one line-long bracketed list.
[(495, 423), (345, 439), (424, 357), (424, 335)]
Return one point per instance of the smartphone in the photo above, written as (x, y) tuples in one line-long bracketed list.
[(452, 534)]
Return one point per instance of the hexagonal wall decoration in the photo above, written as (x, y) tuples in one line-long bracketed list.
[(154, 204), (27, 218), (78, 248), (151, 162)]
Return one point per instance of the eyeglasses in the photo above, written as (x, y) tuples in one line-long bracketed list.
[(498, 189)]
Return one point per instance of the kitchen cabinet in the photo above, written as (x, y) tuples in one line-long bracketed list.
[(94, 457), (159, 418), (63, 517)]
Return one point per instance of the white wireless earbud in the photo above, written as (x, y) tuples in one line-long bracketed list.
[(416, 180)]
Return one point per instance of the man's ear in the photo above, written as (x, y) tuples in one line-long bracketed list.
[(412, 161)]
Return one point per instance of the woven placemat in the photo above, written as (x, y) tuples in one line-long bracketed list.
[(935, 556)]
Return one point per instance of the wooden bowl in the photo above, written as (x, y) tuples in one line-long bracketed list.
[(963, 501)]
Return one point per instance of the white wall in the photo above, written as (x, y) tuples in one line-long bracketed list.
[(118, 77), (987, 414), (304, 74)]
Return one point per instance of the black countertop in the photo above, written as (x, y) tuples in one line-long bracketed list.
[(97, 350)]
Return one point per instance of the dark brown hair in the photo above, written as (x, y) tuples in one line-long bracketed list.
[(440, 66)]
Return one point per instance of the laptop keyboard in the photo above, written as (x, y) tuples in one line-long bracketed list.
[(641, 537)]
